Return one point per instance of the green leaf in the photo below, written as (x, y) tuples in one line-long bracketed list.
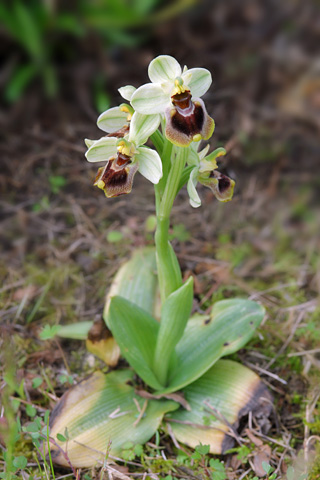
[(135, 331), (36, 382), (203, 449), (61, 437), (49, 331), (100, 412), (229, 327), (76, 331), (267, 468), (31, 410), (57, 182), (174, 316), (20, 79), (114, 236), (136, 281), (218, 400), (218, 469), (29, 33), (20, 462)]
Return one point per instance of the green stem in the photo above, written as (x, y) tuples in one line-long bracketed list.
[(158, 141), (172, 183), (169, 272)]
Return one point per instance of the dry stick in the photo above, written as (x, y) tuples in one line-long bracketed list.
[(65, 455), (177, 397), (286, 343), (223, 419), (245, 473), (273, 441), (110, 456), (272, 289), (142, 410), (266, 372), (63, 356), (171, 435), (303, 352), (309, 410)]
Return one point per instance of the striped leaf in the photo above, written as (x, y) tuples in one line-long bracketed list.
[(101, 414), (218, 400), (228, 328)]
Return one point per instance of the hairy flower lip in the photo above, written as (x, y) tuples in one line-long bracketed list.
[(123, 158), (116, 179), (221, 186), (185, 124)]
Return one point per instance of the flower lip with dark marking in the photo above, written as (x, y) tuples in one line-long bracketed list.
[(116, 177), (220, 185), (187, 120)]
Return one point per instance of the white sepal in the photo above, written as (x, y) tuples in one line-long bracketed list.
[(198, 80), (150, 99), (163, 68), (150, 165), (142, 126), (89, 142), (195, 201), (102, 149), (112, 120), (127, 92), (204, 152)]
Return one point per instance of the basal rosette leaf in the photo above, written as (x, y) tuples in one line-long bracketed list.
[(218, 400), (135, 331), (101, 414), (207, 338), (136, 280)]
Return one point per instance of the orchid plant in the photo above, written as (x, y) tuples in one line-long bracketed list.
[(175, 373)]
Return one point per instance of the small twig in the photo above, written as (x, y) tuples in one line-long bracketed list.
[(117, 413), (171, 435), (176, 397), (65, 455), (244, 474), (224, 420), (303, 352), (288, 340), (63, 356), (266, 372), (142, 410)]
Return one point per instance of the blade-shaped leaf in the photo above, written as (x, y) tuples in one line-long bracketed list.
[(136, 281), (229, 327), (103, 411), (218, 400), (76, 331), (174, 316), (135, 331)]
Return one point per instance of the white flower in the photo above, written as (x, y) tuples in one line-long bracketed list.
[(176, 93), (205, 172), (124, 156)]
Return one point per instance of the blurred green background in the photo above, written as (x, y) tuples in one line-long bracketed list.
[(41, 36)]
